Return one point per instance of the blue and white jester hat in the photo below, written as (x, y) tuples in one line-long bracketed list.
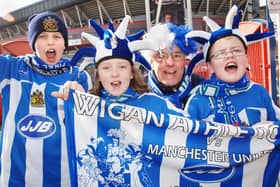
[(231, 28), (167, 35), (115, 44)]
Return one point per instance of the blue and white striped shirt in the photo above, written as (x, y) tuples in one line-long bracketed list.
[(33, 144)]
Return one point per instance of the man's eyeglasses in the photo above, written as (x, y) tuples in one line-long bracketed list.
[(224, 53), (176, 56)]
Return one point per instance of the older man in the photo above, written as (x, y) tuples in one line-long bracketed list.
[(170, 76)]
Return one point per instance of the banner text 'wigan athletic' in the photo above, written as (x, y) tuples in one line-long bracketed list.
[(113, 144)]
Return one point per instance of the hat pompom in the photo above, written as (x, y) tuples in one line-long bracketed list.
[(159, 35), (167, 35)]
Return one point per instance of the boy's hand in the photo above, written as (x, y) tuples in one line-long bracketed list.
[(67, 86)]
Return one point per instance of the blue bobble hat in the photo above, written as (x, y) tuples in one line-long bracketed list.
[(45, 22), (112, 43), (230, 29)]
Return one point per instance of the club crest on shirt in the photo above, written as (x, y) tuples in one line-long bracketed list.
[(37, 99)]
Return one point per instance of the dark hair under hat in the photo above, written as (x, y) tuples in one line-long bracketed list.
[(45, 22)]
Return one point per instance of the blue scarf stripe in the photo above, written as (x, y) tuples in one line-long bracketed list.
[(275, 158), (192, 148), (150, 137), (60, 129), (239, 169)]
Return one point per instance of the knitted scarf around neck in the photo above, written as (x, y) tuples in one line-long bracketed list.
[(126, 96), (48, 69), (176, 96), (219, 93)]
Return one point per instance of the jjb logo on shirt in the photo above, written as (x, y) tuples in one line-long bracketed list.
[(207, 173), (36, 126)]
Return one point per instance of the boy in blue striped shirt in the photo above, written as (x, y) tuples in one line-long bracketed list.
[(33, 147)]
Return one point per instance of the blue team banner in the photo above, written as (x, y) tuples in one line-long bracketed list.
[(114, 144)]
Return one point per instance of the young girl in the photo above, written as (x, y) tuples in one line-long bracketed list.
[(33, 146), (117, 79)]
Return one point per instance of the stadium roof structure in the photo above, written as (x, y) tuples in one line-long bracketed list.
[(77, 12)]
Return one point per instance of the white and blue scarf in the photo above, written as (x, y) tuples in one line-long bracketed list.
[(125, 97), (219, 91), (47, 69), (176, 96)]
